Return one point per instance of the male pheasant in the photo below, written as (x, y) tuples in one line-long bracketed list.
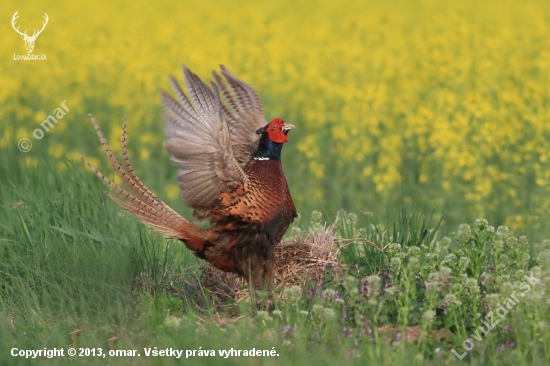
[(230, 174)]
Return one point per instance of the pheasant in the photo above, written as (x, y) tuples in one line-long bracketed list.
[(230, 173)]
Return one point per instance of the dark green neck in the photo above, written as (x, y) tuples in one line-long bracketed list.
[(267, 149)]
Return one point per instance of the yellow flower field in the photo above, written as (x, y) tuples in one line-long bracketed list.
[(443, 101)]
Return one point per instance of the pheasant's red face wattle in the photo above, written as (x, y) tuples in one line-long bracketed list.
[(277, 130)]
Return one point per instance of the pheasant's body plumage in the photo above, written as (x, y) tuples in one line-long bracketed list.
[(230, 174), (250, 222)]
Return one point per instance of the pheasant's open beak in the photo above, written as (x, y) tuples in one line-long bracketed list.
[(287, 127)]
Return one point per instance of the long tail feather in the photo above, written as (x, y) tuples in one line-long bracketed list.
[(140, 202)]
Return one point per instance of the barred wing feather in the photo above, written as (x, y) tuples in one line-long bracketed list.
[(199, 141), (244, 114)]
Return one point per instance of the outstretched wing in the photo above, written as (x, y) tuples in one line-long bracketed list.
[(244, 114), (199, 140)]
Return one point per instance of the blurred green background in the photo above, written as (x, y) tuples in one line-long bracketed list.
[(442, 102)]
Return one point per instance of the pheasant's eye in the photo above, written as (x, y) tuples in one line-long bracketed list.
[(273, 127)]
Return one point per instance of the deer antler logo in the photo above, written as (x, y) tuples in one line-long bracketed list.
[(29, 40)]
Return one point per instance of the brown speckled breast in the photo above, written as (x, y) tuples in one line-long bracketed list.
[(250, 222), (264, 200)]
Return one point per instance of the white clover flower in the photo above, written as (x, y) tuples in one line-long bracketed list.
[(390, 291), (445, 243), (172, 321), (352, 217), (328, 295), (507, 287), (464, 232), (428, 318), (502, 232), (472, 286), (444, 274), (295, 231), (432, 257), (543, 259), (482, 224), (463, 263), (498, 245), (374, 282), (317, 309), (491, 302), (292, 294), (340, 301), (328, 313), (413, 251), (512, 242), (414, 263), (451, 300), (351, 285), (395, 247), (449, 259), (395, 263), (316, 217)]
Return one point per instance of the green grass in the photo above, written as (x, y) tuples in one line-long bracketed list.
[(69, 260)]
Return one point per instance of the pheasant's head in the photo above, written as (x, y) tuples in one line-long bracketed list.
[(276, 130)]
